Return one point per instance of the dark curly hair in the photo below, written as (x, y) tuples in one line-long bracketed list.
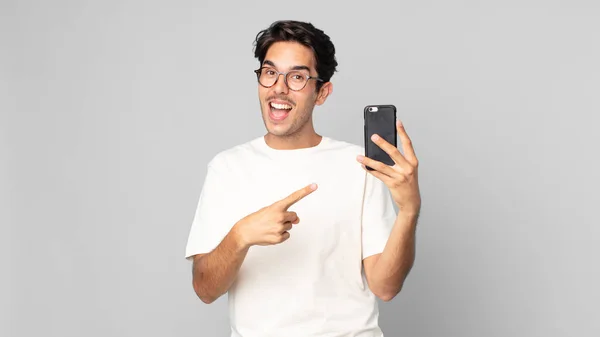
[(304, 33)]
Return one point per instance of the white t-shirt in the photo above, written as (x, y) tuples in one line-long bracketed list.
[(313, 284)]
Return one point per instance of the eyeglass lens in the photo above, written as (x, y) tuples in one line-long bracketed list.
[(296, 79)]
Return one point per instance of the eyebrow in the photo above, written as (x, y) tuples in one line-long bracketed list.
[(270, 63)]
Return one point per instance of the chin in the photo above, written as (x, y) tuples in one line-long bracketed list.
[(279, 130)]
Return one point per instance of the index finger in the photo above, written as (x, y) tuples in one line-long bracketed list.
[(293, 198), (390, 149)]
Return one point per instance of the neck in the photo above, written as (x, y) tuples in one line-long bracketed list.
[(293, 142)]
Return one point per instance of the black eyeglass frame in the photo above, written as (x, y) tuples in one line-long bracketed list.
[(308, 77)]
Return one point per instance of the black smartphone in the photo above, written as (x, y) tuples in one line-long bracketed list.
[(380, 119)]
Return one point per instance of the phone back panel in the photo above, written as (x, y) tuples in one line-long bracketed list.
[(383, 123)]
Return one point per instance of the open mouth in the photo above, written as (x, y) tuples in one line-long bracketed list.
[(279, 111)]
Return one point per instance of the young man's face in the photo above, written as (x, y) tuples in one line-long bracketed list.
[(287, 112)]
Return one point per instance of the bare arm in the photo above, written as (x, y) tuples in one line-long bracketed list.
[(215, 272), (386, 272)]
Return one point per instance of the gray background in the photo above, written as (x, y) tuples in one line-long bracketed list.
[(111, 111)]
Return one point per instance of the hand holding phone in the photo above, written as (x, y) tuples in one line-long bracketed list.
[(379, 119), (399, 175)]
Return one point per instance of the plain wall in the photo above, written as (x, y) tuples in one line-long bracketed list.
[(112, 109)]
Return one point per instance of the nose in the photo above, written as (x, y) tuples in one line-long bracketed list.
[(280, 87)]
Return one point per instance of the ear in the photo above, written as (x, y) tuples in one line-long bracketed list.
[(324, 92)]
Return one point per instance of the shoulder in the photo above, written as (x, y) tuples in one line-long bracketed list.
[(340, 156), (344, 150), (343, 145), (233, 156)]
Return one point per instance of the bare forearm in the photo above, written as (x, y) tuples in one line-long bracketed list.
[(397, 258), (216, 271)]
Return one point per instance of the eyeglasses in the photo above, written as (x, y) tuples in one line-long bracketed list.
[(295, 80)]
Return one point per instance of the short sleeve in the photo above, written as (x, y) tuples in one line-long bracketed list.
[(209, 225), (378, 216)]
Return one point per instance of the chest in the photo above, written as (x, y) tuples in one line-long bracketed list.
[(329, 232)]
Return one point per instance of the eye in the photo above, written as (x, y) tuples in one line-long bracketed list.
[(297, 77)]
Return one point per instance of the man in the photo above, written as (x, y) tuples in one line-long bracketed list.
[(290, 224)]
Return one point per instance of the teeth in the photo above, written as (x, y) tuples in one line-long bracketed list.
[(281, 106)]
